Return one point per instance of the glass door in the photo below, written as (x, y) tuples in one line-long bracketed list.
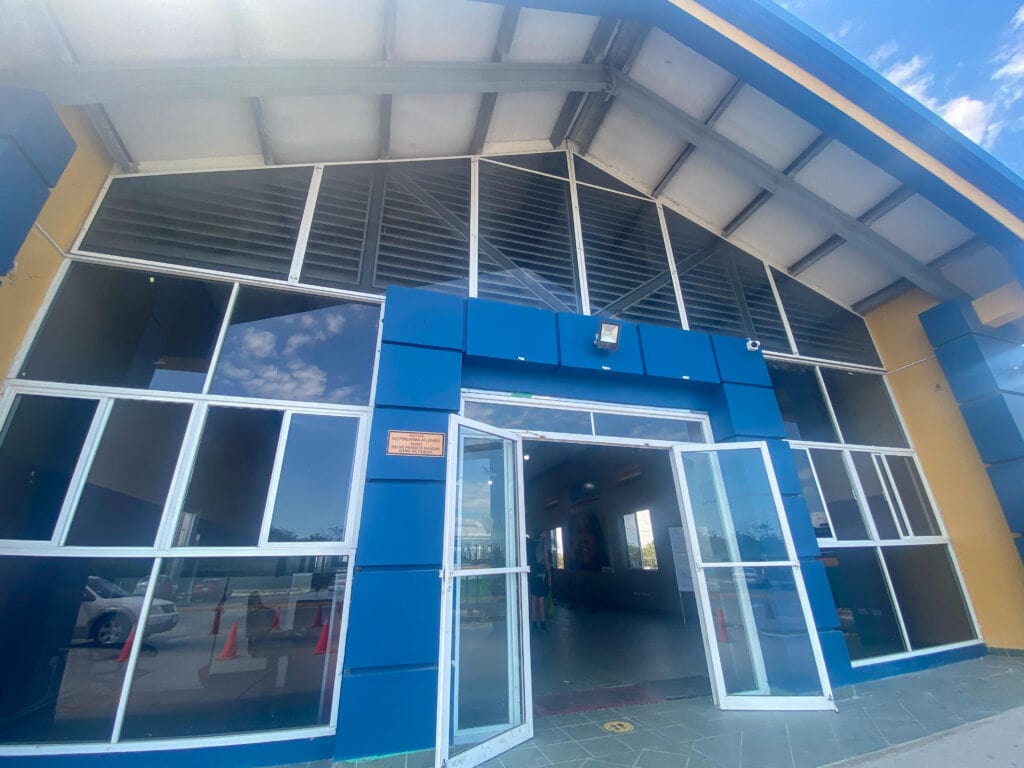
[(762, 648), (483, 673)]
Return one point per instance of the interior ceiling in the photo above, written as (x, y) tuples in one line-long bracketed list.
[(282, 83)]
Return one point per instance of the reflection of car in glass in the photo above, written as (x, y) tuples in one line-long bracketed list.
[(209, 590), (165, 588), (108, 613)]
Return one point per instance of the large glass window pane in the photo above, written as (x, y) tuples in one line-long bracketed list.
[(863, 408), (485, 530), (802, 405), (124, 494), (929, 595), (761, 632), (815, 504), (733, 506), (66, 623), (530, 418), (910, 488), (866, 613), (235, 221), (39, 449), (227, 493), (316, 476), (124, 328), (837, 487), (256, 648), (647, 427), (878, 504), (291, 346), (527, 250)]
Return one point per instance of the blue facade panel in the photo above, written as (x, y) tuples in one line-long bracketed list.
[(393, 619), (22, 196), (524, 336), (739, 365), (837, 657), (393, 710), (966, 369), (746, 411), (576, 334), (672, 353), (948, 321), (380, 466), (414, 377), (819, 593), (424, 318), (415, 511), (785, 468), (997, 426), (1004, 359), (804, 541), (1008, 481), (28, 119)]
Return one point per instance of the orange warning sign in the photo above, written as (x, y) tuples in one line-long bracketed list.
[(415, 443)]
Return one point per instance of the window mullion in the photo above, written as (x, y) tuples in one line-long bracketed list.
[(577, 227), (229, 310), (81, 472), (182, 476), (275, 478), (892, 494), (892, 596), (306, 224), (673, 271), (821, 493), (860, 496), (474, 227), (828, 404)]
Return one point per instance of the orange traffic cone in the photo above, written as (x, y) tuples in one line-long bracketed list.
[(276, 623), (126, 649), (230, 649), (321, 645), (319, 618), (720, 626), (215, 629)]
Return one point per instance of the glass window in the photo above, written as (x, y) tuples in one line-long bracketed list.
[(67, 622), (227, 493), (867, 616), (913, 496), (647, 427), (123, 328), (256, 648), (640, 541), (837, 489), (39, 449), (803, 407), (878, 504), (557, 548), (290, 346), (123, 498), (484, 537), (530, 418), (863, 408), (815, 504), (929, 595), (316, 476)]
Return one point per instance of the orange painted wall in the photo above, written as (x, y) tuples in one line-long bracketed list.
[(983, 543)]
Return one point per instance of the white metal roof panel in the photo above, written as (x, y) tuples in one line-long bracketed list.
[(551, 36), (520, 117), (845, 179), (765, 128), (921, 229), (980, 272), (295, 128), (446, 30), (432, 125), (680, 75), (345, 30), (712, 192), (635, 147), (848, 275), (781, 233)]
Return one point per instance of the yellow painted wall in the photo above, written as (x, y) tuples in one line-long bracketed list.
[(991, 565), (23, 289)]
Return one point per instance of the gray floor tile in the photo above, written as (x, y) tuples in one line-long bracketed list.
[(652, 758), (607, 746), (766, 748), (422, 759), (584, 731), (550, 736), (724, 750), (525, 757), (572, 750)]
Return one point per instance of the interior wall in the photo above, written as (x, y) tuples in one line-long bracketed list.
[(23, 289), (981, 538)]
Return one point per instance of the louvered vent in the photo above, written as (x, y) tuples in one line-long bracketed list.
[(237, 221), (553, 163), (627, 267), (424, 234), (822, 328), (591, 174), (337, 237), (526, 246)]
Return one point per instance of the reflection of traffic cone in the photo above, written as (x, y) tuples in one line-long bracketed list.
[(276, 623), (215, 629), (321, 645), (230, 649), (319, 618), (126, 649), (723, 633)]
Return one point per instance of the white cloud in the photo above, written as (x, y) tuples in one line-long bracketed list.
[(883, 53), (1012, 69), (846, 28), (258, 343), (913, 78), (974, 118), (1018, 18)]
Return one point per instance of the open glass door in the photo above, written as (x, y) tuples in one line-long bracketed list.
[(483, 681), (759, 633)]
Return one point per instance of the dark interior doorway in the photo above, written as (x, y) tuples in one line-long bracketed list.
[(617, 628)]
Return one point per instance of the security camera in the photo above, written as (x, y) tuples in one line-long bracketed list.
[(753, 345)]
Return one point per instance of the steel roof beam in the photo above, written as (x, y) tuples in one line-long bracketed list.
[(98, 82), (777, 183), (596, 52), (502, 45)]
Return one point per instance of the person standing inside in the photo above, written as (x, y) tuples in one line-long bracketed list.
[(538, 554)]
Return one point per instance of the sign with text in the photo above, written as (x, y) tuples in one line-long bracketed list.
[(429, 444)]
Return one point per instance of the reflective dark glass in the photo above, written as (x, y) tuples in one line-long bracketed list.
[(910, 488), (815, 504), (646, 427), (124, 494), (837, 488), (291, 346), (864, 410), (39, 449), (878, 505), (530, 418), (802, 405), (124, 328)]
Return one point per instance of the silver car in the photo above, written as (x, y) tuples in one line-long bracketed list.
[(108, 613)]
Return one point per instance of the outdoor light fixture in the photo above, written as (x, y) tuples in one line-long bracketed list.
[(608, 336)]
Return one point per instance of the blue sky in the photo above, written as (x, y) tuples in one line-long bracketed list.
[(963, 60)]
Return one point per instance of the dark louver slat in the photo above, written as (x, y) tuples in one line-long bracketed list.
[(336, 238)]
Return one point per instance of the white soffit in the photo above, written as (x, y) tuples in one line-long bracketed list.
[(845, 179), (921, 229), (120, 30), (552, 37), (524, 117), (980, 272), (781, 233), (432, 125), (680, 75), (446, 30), (765, 128), (22, 39), (712, 192), (345, 30), (181, 130), (306, 129), (635, 147), (848, 275)]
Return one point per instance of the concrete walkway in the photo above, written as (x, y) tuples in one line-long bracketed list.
[(995, 741)]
